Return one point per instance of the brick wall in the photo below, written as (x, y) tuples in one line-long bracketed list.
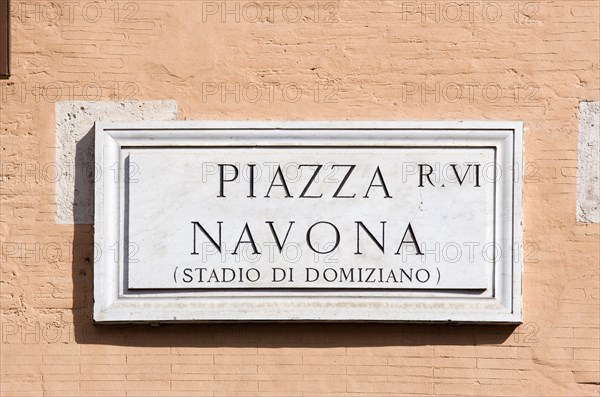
[(532, 61)]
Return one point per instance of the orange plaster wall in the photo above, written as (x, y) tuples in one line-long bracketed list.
[(359, 60)]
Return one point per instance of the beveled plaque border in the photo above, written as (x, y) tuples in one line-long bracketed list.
[(114, 302)]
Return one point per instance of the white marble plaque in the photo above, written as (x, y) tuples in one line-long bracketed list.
[(382, 221)]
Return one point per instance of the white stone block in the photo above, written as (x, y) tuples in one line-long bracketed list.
[(588, 167), (75, 149)]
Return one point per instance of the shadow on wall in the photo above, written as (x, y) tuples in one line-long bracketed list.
[(266, 335)]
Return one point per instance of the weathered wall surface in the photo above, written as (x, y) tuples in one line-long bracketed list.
[(518, 60)]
